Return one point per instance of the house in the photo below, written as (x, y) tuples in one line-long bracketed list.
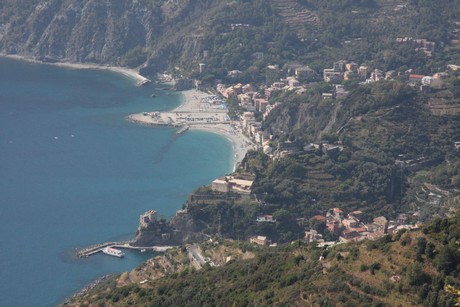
[(427, 80), (240, 185), (260, 240), (333, 226), (288, 146), (331, 75), (353, 67), (305, 72), (261, 104), (377, 75), (220, 185), (312, 236), (229, 183), (453, 67), (311, 148), (319, 218), (382, 223), (327, 96), (390, 74), (350, 223), (348, 235), (247, 118), (293, 82), (234, 73), (340, 65), (416, 78), (362, 72), (335, 213), (441, 75), (247, 88), (265, 219)]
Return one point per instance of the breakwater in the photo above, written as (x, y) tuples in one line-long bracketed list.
[(97, 248)]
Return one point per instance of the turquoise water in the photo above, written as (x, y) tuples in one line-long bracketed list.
[(73, 172)]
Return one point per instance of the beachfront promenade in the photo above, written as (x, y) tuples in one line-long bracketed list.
[(94, 249)]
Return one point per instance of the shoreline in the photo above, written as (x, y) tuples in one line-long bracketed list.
[(127, 72), (192, 104)]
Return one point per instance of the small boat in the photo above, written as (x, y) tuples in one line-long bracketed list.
[(113, 252), (143, 250), (153, 95)]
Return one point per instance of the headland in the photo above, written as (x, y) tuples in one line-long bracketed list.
[(200, 111)]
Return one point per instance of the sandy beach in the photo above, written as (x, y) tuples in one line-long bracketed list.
[(128, 72), (195, 111), (198, 114)]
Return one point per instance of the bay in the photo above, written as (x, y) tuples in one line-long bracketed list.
[(73, 172)]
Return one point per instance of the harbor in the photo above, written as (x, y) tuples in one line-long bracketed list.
[(98, 248)]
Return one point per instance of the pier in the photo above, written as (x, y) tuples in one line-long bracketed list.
[(94, 249), (182, 130)]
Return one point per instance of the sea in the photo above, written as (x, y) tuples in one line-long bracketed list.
[(74, 172)]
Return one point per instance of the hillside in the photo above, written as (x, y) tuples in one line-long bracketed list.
[(408, 269), (389, 145), (243, 35)]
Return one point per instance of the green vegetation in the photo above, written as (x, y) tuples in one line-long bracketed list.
[(369, 273), (392, 146)]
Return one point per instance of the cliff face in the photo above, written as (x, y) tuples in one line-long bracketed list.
[(97, 31)]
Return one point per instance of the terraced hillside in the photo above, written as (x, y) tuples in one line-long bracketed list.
[(296, 16)]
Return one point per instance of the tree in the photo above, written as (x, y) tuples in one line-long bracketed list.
[(416, 276), (447, 259)]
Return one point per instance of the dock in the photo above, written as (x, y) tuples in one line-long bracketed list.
[(94, 249), (182, 130)]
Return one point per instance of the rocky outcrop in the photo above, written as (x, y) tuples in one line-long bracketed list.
[(182, 228)]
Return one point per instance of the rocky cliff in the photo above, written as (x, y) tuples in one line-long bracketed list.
[(118, 32)]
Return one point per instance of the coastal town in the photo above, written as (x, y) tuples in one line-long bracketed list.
[(339, 183), (210, 112)]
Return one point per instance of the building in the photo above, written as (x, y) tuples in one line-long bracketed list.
[(390, 74), (313, 236), (348, 235), (382, 223), (427, 80), (147, 218), (247, 118), (362, 72), (331, 75), (305, 72), (416, 78), (293, 82), (260, 240), (220, 185), (333, 226), (340, 65), (351, 67), (350, 223), (202, 67), (441, 75), (228, 183), (377, 75), (265, 219)]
